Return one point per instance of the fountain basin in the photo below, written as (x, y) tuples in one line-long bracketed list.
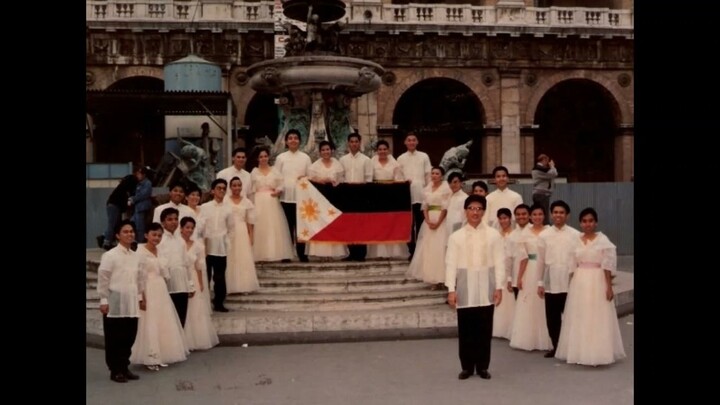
[(350, 76), (327, 10)]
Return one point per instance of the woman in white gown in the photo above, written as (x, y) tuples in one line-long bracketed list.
[(200, 332), (503, 314), (272, 237), (193, 196), (386, 169), (590, 333), (529, 329), (241, 276), (326, 170), (428, 262), (160, 339)]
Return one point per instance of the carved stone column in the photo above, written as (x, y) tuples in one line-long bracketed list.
[(527, 148), (491, 148), (510, 111), (366, 117), (624, 153)]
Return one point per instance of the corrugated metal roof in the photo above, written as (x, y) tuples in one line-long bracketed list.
[(160, 102)]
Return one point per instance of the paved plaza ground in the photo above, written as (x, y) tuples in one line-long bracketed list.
[(389, 372)]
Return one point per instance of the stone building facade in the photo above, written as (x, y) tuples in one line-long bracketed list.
[(516, 77)]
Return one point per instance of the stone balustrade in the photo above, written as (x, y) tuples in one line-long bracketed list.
[(362, 13), (178, 10)]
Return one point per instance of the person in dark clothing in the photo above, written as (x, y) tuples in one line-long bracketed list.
[(117, 203)]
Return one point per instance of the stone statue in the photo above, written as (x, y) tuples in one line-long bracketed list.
[(313, 37), (195, 164), (454, 159), (296, 42), (331, 37)]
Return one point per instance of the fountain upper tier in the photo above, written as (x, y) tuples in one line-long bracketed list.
[(349, 76), (326, 10)]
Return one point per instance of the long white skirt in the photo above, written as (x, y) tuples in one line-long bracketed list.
[(503, 315), (160, 337), (529, 329), (428, 262), (240, 275), (272, 236), (200, 333), (590, 333)]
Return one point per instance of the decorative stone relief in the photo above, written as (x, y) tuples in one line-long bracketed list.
[(389, 78), (624, 79), (126, 46), (488, 79), (242, 78), (230, 47), (152, 47), (271, 75), (179, 46), (531, 79), (101, 46), (89, 78)]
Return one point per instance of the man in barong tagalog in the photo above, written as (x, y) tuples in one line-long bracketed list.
[(474, 275)]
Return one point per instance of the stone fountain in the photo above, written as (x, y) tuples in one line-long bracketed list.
[(313, 83)]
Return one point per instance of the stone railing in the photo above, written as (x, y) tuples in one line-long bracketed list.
[(361, 13), (178, 10), (465, 14)]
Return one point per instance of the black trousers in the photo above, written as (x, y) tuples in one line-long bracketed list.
[(516, 291), (554, 308), (357, 252), (418, 219), (474, 337), (119, 338), (180, 300), (289, 210), (216, 266)]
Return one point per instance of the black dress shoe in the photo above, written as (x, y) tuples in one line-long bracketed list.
[(484, 374), (304, 260), (549, 354), (118, 377), (130, 375), (285, 261), (221, 309), (464, 375)]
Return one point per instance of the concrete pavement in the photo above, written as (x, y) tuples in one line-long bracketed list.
[(386, 372)]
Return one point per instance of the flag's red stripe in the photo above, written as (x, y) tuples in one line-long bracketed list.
[(367, 227)]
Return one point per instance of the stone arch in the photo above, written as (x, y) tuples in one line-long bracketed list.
[(130, 72), (488, 95), (621, 104)]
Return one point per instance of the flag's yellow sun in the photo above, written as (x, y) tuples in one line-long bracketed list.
[(309, 210)]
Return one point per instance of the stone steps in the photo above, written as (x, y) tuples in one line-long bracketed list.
[(280, 285)]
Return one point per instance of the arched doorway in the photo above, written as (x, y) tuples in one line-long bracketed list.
[(443, 113), (577, 122), (261, 119), (127, 133)]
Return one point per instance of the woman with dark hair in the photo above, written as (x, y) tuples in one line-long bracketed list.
[(241, 275), (428, 262), (200, 333), (386, 169), (503, 315), (193, 197), (160, 338), (272, 237), (590, 333), (326, 170), (529, 329)]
